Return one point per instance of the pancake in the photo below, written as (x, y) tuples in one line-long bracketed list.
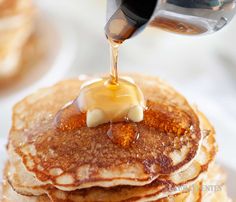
[(14, 7), (213, 187), (194, 193), (189, 194), (16, 26), (25, 183), (10, 195), (210, 189), (14, 33), (160, 188), (169, 140)]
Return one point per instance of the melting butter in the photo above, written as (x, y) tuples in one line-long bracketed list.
[(105, 101)]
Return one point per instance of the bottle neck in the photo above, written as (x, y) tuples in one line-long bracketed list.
[(126, 18)]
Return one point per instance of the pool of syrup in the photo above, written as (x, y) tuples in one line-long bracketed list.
[(160, 117), (72, 119)]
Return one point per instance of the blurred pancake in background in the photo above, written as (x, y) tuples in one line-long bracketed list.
[(27, 45), (16, 27)]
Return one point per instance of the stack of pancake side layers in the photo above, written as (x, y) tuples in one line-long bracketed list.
[(172, 160)]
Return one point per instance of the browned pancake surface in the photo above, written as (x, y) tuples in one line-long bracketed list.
[(169, 125)]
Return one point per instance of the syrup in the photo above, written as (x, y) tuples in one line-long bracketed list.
[(70, 118), (114, 98), (173, 25), (114, 50), (159, 117), (110, 100)]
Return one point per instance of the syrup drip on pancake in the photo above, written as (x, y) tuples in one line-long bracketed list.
[(106, 100), (116, 101), (114, 97), (159, 117)]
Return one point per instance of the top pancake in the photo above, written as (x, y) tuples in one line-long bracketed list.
[(165, 185), (168, 141)]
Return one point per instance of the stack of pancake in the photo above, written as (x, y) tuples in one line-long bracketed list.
[(16, 26), (171, 160)]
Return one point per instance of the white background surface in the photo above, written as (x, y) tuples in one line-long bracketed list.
[(201, 68)]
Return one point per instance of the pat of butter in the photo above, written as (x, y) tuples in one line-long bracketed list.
[(106, 102), (135, 114), (97, 117)]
